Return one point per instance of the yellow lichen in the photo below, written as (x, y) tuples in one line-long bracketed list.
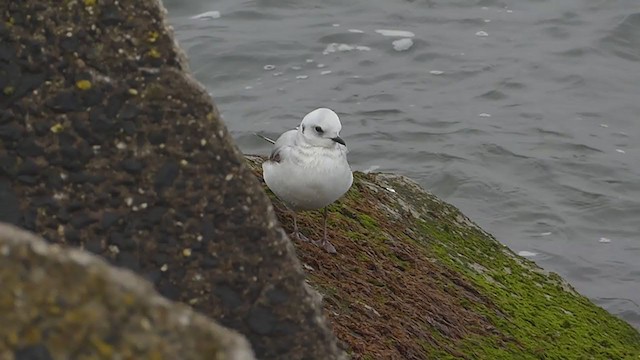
[(133, 92), (89, 2), (32, 335), (153, 36), (83, 84), (57, 128), (8, 90), (154, 53), (104, 350)]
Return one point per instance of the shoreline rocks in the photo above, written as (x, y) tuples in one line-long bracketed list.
[(62, 303)]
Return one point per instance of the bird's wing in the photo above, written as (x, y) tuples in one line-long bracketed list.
[(282, 146)]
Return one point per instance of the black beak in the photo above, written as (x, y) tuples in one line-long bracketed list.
[(339, 140)]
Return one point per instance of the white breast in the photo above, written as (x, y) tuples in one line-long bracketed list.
[(309, 178)]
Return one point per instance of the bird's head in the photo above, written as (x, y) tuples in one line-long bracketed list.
[(321, 128)]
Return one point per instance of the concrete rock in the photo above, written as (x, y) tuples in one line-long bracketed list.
[(108, 144), (60, 303)]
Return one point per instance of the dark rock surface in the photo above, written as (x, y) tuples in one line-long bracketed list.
[(62, 303), (107, 144)]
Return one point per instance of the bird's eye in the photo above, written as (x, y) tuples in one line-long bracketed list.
[(319, 130)]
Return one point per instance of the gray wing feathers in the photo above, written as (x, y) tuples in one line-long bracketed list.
[(286, 140), (282, 145)]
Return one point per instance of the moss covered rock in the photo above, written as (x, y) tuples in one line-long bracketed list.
[(414, 278), (59, 303)]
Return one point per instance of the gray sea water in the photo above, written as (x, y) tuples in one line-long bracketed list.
[(524, 114)]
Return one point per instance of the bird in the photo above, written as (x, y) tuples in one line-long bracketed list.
[(308, 168)]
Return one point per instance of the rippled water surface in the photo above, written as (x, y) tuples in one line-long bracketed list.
[(524, 114)]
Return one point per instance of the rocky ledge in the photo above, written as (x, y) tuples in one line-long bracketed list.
[(416, 279), (67, 304)]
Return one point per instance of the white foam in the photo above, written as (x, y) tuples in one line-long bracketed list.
[(209, 15), (482, 34), (604, 125), (296, 68), (527, 253), (395, 33), (335, 25), (325, 72), (333, 47), (436, 72), (302, 77), (320, 66), (309, 60), (269, 67), (355, 31), (621, 151), (604, 240), (484, 115), (487, 20), (402, 44), (545, 233)]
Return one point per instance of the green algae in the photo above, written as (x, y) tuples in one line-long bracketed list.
[(546, 317), (524, 312)]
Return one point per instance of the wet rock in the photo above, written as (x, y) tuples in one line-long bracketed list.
[(27, 179), (166, 175), (128, 112), (108, 219), (147, 326), (33, 352), (81, 220), (28, 148), (65, 101), (157, 137), (132, 166), (11, 132), (227, 295), (129, 128), (10, 208), (261, 320), (28, 167), (155, 214), (122, 241), (110, 15)]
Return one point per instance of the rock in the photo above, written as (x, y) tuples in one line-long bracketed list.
[(84, 306), (101, 83), (416, 279)]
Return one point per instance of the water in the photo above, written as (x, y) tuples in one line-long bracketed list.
[(524, 114)]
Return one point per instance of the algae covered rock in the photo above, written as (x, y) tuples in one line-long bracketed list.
[(416, 279), (60, 303), (108, 144)]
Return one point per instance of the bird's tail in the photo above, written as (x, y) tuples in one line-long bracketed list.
[(265, 138)]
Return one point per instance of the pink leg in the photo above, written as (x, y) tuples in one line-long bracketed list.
[(325, 244)]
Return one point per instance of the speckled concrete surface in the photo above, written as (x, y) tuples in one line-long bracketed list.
[(68, 304), (107, 144)]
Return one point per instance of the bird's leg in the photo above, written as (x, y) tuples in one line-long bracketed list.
[(296, 233), (325, 244)]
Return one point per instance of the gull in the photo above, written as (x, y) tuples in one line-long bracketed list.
[(308, 168)]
